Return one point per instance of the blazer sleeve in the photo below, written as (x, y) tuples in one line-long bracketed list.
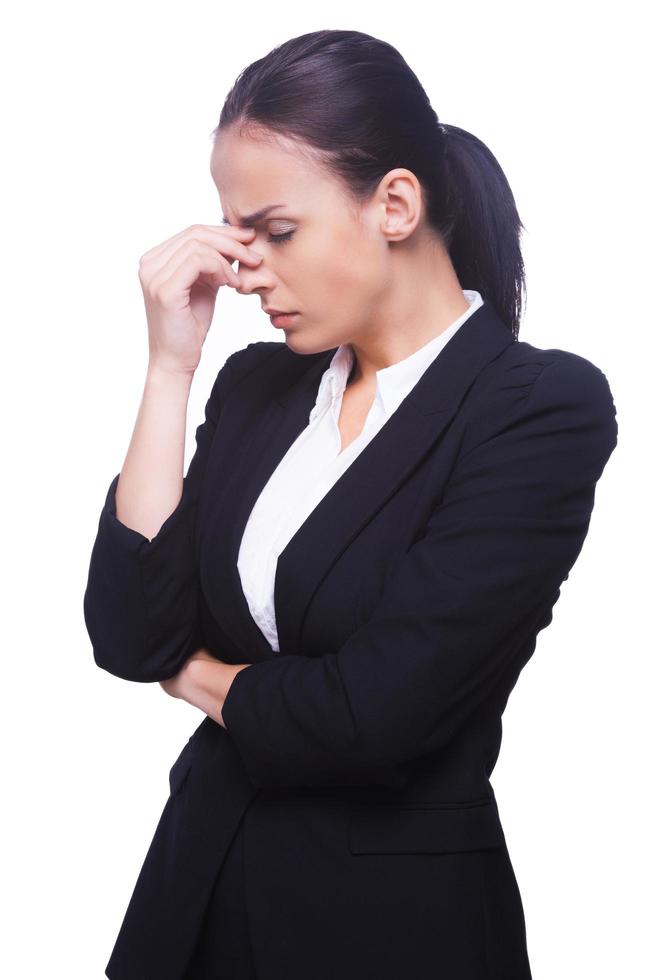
[(142, 595), (463, 603)]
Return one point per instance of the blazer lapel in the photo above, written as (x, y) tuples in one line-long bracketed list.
[(388, 459), (249, 470), (386, 462)]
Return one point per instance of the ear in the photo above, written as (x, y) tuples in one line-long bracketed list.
[(401, 200)]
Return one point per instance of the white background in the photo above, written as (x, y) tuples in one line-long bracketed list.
[(107, 117)]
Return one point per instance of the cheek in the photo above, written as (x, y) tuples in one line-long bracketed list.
[(344, 267)]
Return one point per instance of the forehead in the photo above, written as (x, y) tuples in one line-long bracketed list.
[(252, 173)]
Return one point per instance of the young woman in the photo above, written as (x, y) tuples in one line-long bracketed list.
[(375, 525)]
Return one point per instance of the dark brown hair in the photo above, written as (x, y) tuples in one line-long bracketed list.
[(353, 101)]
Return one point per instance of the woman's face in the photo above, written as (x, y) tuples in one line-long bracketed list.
[(322, 258)]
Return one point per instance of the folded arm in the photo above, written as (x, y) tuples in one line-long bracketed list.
[(466, 599), (141, 601)]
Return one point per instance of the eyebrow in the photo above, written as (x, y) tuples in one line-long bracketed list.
[(251, 219)]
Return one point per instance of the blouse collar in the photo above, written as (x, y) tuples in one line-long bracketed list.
[(395, 381)]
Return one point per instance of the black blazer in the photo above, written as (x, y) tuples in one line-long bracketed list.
[(408, 602)]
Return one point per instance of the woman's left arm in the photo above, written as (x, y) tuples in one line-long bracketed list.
[(463, 608)]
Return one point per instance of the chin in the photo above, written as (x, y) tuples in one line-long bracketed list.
[(301, 342)]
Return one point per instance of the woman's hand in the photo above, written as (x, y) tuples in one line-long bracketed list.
[(210, 684), (180, 280), (180, 686), (203, 682), (203, 654)]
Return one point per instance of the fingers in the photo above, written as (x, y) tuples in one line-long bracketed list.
[(208, 248), (229, 241), (234, 231), (191, 260)]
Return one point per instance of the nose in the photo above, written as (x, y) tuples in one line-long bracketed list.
[(253, 277)]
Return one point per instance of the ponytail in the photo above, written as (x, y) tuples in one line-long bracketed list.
[(355, 101)]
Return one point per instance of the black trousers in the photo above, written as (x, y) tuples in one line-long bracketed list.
[(223, 950)]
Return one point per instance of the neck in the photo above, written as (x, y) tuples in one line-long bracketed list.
[(423, 298)]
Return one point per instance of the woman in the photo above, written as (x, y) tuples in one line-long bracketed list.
[(373, 529)]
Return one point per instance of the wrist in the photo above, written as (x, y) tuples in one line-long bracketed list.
[(209, 682), (158, 374)]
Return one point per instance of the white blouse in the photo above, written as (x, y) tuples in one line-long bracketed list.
[(314, 462)]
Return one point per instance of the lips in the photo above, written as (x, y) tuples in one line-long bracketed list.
[(283, 319), (272, 312)]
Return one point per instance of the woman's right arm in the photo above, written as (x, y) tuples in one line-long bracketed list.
[(151, 479), (141, 598)]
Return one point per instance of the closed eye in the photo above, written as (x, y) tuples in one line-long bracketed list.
[(285, 237)]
